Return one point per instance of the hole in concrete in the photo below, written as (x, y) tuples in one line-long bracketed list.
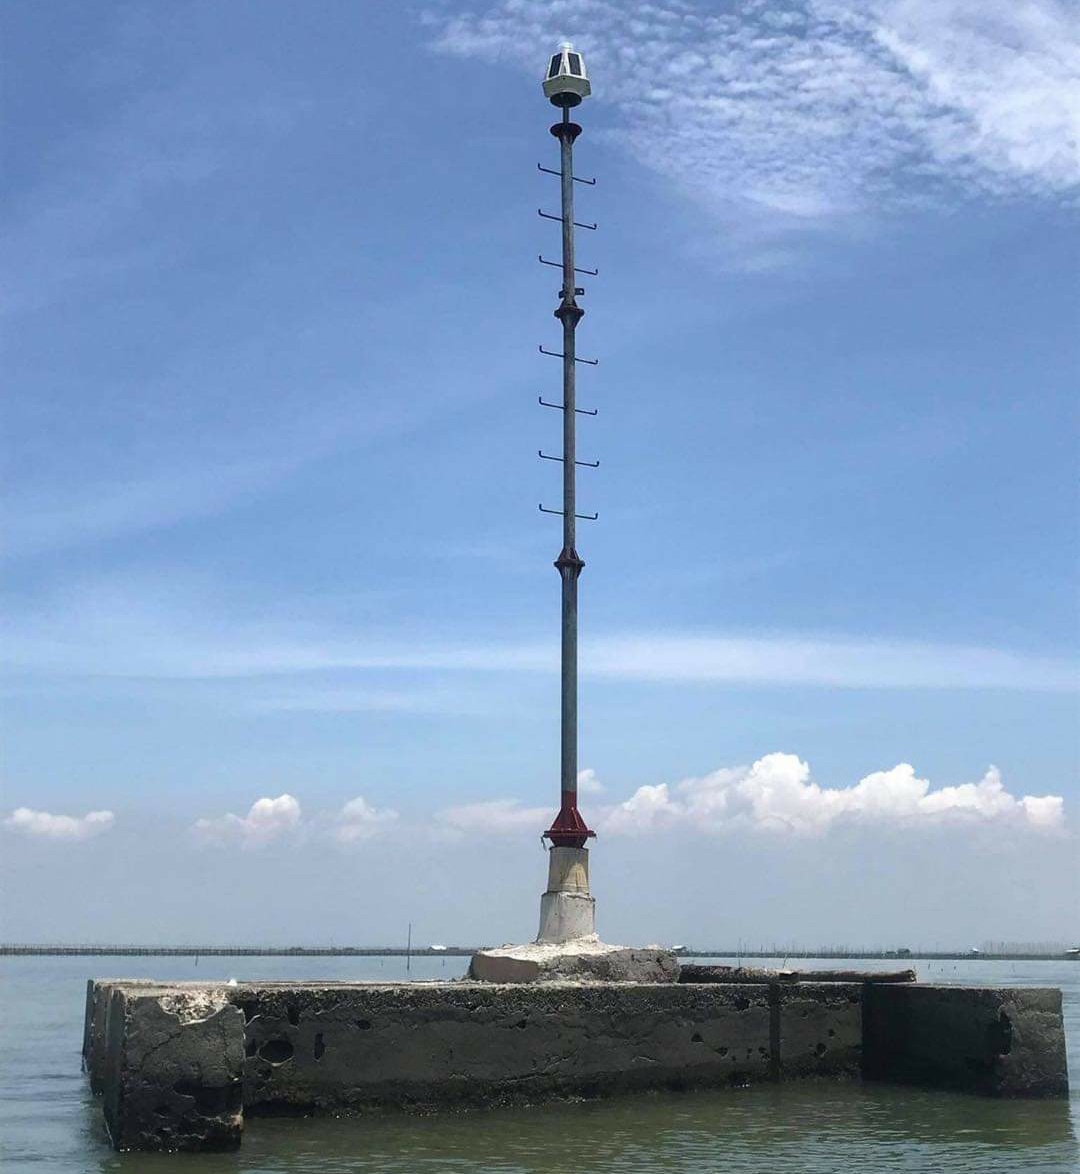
[(251, 1047), (521, 1023), (696, 1038), (320, 1047), (294, 1015), (763, 1051), (831, 1031), (249, 1008), (364, 1024), (741, 1003), (721, 1051), (276, 1051), (820, 1050)]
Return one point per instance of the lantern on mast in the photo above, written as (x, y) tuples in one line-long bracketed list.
[(567, 80)]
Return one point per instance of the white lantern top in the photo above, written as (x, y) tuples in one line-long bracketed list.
[(566, 81)]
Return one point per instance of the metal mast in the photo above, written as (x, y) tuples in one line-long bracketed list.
[(569, 828)]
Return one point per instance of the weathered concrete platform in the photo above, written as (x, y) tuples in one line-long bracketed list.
[(582, 960), (179, 1064)]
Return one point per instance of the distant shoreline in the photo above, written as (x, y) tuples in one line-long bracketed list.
[(107, 951)]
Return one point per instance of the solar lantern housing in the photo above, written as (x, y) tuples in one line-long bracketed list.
[(567, 81)]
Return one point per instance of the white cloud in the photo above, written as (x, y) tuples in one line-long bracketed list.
[(588, 783), (59, 827), (359, 820), (794, 114), (267, 820), (777, 794), (496, 817)]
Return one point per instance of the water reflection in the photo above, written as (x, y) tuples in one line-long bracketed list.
[(814, 1127)]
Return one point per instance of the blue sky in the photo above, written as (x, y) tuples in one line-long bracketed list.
[(270, 329)]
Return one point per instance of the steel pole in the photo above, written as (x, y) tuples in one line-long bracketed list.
[(569, 573), (569, 828)]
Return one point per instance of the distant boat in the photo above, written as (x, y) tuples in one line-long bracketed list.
[(434, 947), (1074, 952)]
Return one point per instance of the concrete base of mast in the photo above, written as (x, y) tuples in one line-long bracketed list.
[(567, 911), (567, 946)]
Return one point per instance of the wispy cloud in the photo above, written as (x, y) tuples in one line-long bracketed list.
[(777, 794), (495, 817), (359, 820), (142, 631), (46, 826), (796, 114)]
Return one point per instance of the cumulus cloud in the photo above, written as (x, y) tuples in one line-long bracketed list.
[(44, 825), (807, 110), (588, 783), (359, 820), (777, 794), (267, 820)]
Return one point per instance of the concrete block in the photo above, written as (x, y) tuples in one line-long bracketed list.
[(180, 1059), (94, 1028), (325, 1048), (997, 1041), (586, 960), (173, 1068), (818, 1028)]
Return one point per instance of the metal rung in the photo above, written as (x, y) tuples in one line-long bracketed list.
[(577, 223), (562, 460), (560, 355), (575, 178), (558, 265), (562, 514), (562, 408)]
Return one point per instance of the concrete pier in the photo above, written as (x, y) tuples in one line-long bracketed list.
[(180, 1064)]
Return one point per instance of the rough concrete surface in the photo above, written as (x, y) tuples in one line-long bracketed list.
[(1001, 1041), (586, 959), (324, 1048), (818, 1028), (177, 1061), (173, 1069)]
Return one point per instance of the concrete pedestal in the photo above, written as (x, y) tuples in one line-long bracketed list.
[(567, 946), (584, 960), (567, 911)]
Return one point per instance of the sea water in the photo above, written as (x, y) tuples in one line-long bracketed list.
[(50, 1124)]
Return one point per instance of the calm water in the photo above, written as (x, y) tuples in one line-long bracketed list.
[(49, 1122)]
